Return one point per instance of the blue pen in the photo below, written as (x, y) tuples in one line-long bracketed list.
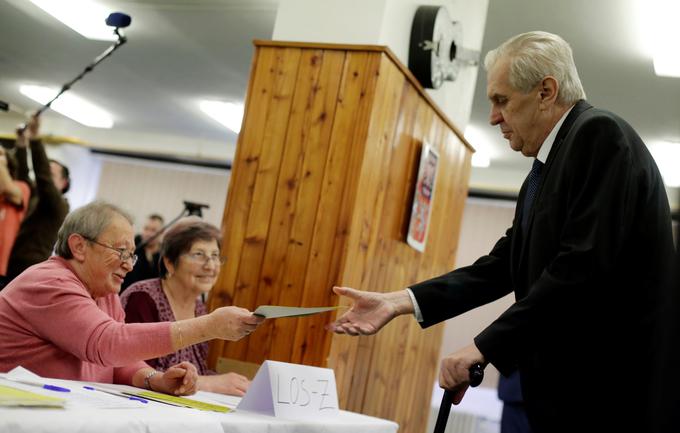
[(138, 399), (111, 392), (42, 385), (56, 388)]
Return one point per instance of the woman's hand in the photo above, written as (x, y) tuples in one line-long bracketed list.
[(230, 384), (234, 323), (180, 379)]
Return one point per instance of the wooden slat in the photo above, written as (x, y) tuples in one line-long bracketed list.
[(311, 341), (343, 349), (388, 272), (244, 170), (308, 144), (261, 185), (283, 196), (370, 203)]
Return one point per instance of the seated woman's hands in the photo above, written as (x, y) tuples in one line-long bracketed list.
[(229, 383), (234, 323), (180, 379)]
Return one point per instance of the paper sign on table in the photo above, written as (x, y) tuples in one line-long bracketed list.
[(274, 311), (292, 391)]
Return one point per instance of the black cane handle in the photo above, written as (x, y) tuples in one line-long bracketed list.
[(476, 377), (476, 374)]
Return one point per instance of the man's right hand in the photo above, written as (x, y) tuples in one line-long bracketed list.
[(370, 311)]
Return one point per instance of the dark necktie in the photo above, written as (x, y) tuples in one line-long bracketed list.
[(532, 186)]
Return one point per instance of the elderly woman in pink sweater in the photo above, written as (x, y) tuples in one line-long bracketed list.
[(62, 318)]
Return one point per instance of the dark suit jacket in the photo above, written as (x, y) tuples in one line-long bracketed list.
[(587, 276), (143, 269)]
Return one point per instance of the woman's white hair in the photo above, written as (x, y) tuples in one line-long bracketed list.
[(88, 221), (536, 55)]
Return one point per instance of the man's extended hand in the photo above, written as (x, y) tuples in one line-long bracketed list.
[(370, 311)]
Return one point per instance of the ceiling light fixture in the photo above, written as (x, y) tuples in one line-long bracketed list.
[(70, 105), (659, 34), (84, 16), (667, 157), (229, 114)]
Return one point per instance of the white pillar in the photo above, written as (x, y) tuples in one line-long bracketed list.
[(386, 22)]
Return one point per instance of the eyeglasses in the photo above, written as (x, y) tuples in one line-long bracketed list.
[(124, 254), (203, 258)]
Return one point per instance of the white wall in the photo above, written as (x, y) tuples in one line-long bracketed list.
[(386, 22), (484, 222), (145, 187)]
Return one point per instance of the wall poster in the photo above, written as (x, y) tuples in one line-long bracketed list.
[(422, 198)]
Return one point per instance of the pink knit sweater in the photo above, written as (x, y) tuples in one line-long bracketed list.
[(50, 325)]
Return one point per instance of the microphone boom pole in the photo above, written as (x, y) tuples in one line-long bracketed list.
[(117, 19)]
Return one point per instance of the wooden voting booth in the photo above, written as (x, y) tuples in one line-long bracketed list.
[(321, 191)]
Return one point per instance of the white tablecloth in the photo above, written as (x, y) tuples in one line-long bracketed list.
[(155, 417)]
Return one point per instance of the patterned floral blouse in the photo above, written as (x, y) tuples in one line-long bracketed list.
[(145, 302)]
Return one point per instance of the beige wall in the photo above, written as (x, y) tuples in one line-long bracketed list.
[(144, 187), (484, 222)]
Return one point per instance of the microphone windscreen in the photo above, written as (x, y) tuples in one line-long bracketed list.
[(118, 19)]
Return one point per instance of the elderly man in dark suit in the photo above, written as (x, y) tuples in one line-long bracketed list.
[(586, 256)]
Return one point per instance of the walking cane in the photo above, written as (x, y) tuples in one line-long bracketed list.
[(476, 376)]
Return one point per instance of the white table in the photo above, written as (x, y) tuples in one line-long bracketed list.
[(82, 416)]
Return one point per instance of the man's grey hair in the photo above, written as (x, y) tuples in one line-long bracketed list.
[(536, 55), (88, 221)]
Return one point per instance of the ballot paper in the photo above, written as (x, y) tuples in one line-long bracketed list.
[(275, 311), (74, 393), (12, 396)]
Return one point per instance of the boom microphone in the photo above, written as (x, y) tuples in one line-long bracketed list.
[(115, 19), (118, 20)]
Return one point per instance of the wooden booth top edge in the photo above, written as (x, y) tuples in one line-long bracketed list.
[(376, 48)]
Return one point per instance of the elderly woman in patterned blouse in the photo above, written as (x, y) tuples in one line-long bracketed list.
[(189, 265)]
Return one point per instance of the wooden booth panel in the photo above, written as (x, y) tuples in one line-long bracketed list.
[(254, 174), (320, 195)]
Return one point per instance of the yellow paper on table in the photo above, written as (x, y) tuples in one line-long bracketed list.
[(13, 397), (181, 401)]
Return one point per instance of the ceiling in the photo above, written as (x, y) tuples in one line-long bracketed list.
[(181, 51), (178, 52)]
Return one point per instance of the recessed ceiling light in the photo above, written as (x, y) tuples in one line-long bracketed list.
[(70, 105), (667, 157), (229, 114), (84, 16), (658, 33)]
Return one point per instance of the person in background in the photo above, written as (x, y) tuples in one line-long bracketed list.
[(14, 197), (190, 263), (48, 208), (147, 265), (62, 318), (588, 257)]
